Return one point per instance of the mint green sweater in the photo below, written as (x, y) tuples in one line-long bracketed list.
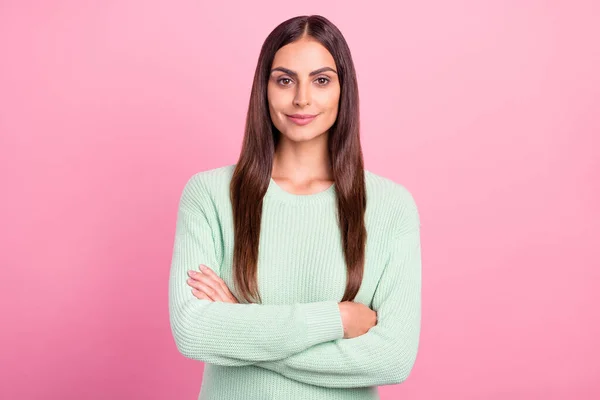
[(292, 345)]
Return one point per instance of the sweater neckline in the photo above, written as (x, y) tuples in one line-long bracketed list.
[(279, 194)]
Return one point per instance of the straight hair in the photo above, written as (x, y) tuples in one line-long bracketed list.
[(252, 173)]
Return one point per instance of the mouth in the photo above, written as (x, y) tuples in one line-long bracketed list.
[(301, 119)]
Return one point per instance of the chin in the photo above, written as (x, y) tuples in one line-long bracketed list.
[(298, 134)]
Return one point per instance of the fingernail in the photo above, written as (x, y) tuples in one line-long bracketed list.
[(191, 273), (202, 267)]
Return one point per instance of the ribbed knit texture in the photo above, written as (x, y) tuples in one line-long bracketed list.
[(292, 345)]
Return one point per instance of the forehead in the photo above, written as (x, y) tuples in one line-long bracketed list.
[(304, 55)]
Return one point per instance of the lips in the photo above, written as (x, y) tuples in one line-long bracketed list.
[(302, 116), (301, 119)]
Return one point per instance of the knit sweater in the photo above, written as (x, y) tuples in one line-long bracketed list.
[(292, 345)]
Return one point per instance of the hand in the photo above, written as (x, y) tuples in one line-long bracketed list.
[(356, 318), (209, 286)]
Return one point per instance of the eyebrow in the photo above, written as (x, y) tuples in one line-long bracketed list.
[(294, 73)]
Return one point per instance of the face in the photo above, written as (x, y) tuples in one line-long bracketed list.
[(303, 90)]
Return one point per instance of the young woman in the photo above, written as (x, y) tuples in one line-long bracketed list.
[(285, 281)]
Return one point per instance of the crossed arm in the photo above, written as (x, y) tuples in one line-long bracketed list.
[(302, 341)]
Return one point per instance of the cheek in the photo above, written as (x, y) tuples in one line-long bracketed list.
[(330, 102), (277, 99), (329, 105), (328, 97), (270, 97)]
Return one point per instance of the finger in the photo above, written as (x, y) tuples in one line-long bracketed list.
[(222, 293), (224, 296), (212, 287), (211, 278), (205, 288), (209, 272), (201, 295), (205, 278)]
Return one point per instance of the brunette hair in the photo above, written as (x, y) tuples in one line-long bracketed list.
[(252, 174)]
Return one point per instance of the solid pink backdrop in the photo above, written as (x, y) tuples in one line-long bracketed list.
[(488, 112)]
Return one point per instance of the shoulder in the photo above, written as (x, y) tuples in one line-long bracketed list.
[(213, 176), (382, 189), (385, 195), (207, 184)]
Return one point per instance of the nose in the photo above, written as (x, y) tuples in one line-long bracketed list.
[(302, 97)]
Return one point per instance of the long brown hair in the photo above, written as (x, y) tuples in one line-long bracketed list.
[(252, 174)]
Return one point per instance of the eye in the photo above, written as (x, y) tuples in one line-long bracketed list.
[(281, 81), (323, 80)]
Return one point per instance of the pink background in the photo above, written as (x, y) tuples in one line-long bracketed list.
[(488, 112)]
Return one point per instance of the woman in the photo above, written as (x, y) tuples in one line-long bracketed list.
[(330, 284)]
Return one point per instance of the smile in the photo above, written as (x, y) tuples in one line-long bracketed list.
[(301, 119)]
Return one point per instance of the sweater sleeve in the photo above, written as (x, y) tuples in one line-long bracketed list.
[(233, 334), (385, 354)]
